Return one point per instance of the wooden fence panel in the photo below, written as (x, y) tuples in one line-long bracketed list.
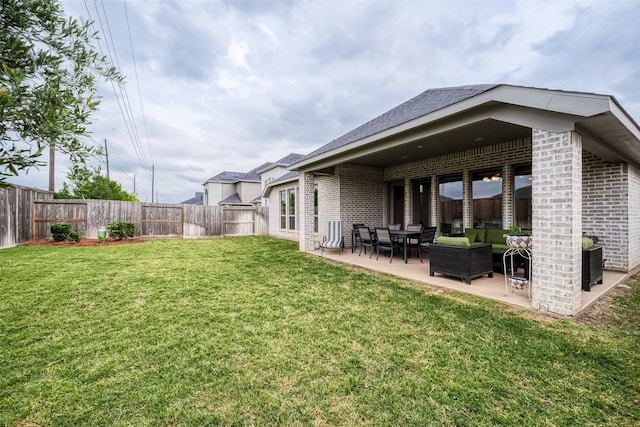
[(239, 221), (162, 220), (16, 214), (103, 212), (202, 221), (27, 214), (49, 212)]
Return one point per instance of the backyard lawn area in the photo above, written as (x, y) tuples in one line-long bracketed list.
[(250, 331)]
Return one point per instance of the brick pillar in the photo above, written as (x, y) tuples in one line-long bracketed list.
[(434, 203), (305, 212), (507, 196), (557, 221), (467, 201), (408, 202)]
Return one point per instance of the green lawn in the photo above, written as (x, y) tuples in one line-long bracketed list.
[(249, 331)]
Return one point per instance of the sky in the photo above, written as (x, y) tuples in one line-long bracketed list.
[(226, 85)]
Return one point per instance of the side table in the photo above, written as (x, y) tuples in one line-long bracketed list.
[(510, 277)]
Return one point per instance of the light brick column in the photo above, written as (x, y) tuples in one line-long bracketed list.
[(507, 197), (305, 212), (467, 200), (408, 202), (434, 203), (557, 221)]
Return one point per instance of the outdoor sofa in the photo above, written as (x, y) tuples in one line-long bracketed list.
[(457, 257), (592, 264), (592, 260)]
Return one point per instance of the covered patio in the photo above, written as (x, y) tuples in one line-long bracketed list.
[(485, 287), (560, 164)]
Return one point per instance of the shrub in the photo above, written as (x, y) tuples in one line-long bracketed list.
[(121, 230), (60, 232), (74, 236)]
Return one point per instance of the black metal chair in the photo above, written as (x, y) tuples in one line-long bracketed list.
[(367, 240), (426, 238), (384, 242), (413, 242), (355, 236)]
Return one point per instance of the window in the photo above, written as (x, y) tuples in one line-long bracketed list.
[(487, 199), (450, 204), (522, 196), (288, 209), (315, 208), (283, 209), (292, 209)]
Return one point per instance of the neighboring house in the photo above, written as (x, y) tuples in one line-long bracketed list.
[(233, 188), (196, 200), (560, 163)]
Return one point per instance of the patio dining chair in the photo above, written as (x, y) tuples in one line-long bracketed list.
[(367, 240), (426, 238), (355, 236), (334, 239), (384, 242)]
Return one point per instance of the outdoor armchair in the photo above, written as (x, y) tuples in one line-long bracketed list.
[(334, 239)]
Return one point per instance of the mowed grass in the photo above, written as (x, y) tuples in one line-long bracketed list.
[(249, 331)]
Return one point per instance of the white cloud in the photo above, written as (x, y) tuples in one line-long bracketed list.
[(227, 85)]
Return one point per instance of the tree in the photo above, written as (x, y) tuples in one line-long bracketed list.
[(48, 74), (88, 183)]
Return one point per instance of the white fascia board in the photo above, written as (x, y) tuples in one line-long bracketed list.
[(624, 118)]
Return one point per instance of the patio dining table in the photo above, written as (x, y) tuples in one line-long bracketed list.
[(405, 236)]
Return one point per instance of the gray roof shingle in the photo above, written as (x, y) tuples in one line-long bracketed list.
[(427, 102)]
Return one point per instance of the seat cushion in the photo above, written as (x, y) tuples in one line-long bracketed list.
[(453, 241), (471, 234)]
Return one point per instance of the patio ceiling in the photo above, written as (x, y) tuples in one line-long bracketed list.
[(496, 115)]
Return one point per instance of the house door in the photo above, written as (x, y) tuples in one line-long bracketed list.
[(421, 199), (396, 208)]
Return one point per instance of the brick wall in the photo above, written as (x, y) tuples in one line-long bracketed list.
[(634, 217), (274, 212), (606, 205), (361, 195), (504, 156)]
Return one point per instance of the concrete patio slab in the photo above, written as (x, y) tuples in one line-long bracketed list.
[(492, 288)]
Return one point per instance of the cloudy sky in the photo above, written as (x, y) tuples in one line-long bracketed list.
[(225, 85)]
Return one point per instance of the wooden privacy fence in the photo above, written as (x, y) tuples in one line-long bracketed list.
[(27, 214), (16, 214)]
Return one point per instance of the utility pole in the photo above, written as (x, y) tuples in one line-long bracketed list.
[(106, 153), (52, 166), (134, 185), (153, 177)]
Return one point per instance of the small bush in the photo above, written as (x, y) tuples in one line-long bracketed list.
[(74, 236), (121, 230), (60, 232)]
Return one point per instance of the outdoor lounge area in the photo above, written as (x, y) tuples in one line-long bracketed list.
[(486, 287), (560, 165)]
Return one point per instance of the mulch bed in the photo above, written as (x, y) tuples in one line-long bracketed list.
[(85, 242)]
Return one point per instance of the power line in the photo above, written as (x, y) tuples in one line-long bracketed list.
[(120, 93)]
